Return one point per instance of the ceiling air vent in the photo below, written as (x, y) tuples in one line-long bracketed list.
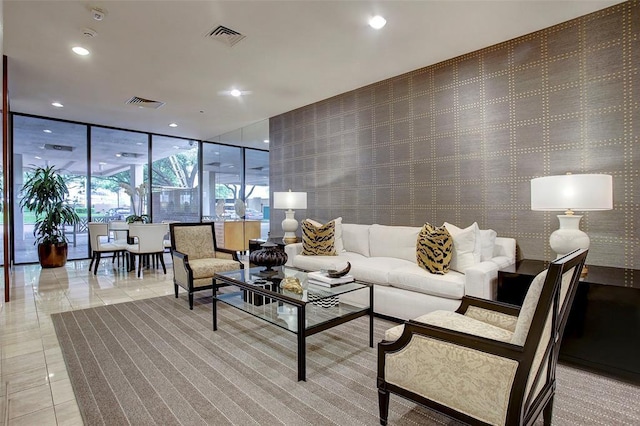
[(144, 103), (225, 35), (58, 147)]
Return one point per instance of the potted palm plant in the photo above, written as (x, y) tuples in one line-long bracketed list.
[(44, 193)]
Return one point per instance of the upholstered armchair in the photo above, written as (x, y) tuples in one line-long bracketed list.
[(196, 258), (488, 362)]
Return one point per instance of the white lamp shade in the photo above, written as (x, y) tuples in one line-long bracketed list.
[(572, 192), (290, 200)]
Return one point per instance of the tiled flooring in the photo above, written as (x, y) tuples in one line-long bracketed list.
[(35, 387)]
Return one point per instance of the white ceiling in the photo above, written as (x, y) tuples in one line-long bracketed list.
[(295, 53)]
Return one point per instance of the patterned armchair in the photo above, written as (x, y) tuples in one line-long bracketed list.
[(196, 258), (488, 362)]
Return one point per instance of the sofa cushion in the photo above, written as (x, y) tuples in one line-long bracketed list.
[(393, 241), (433, 249), (316, 263), (466, 246), (487, 243), (376, 269), (414, 278), (356, 238), (318, 240)]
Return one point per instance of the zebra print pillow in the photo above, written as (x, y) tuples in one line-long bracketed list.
[(434, 249), (318, 240)]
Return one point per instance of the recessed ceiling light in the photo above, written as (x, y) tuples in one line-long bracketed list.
[(102, 163), (37, 158), (57, 104), (173, 125), (377, 22), (47, 131), (176, 147), (138, 143), (266, 141), (235, 93), (118, 155), (80, 51)]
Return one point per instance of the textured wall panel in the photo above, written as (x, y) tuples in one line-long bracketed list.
[(460, 140)]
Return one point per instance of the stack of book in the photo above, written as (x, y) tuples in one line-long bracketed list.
[(322, 279)]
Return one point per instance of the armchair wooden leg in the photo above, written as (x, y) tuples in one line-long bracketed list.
[(191, 300), (93, 256), (140, 257), (383, 404), (548, 411), (164, 268), (175, 288)]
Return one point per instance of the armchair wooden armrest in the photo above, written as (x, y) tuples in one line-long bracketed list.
[(233, 254), (504, 308)]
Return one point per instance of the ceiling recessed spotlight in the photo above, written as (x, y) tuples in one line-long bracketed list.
[(118, 155), (80, 51), (176, 147), (234, 92), (37, 158), (57, 104), (266, 141), (47, 131), (138, 143), (173, 125), (377, 22), (102, 163)]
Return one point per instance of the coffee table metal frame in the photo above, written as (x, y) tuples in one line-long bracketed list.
[(238, 279)]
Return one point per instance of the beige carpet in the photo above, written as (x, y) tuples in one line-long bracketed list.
[(155, 362)]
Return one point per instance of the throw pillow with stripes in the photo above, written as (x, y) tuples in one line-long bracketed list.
[(434, 249), (318, 240)]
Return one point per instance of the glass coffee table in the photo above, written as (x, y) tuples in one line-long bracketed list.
[(318, 308)]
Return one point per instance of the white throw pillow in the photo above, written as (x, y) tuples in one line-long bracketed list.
[(337, 243), (487, 243), (466, 246)]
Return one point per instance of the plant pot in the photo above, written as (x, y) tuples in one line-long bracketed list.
[(52, 255)]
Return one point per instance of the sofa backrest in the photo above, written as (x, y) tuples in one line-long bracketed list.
[(393, 241), (355, 238)]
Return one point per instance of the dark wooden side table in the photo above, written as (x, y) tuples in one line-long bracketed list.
[(603, 329)]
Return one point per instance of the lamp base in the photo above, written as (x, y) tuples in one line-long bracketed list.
[(568, 237), (289, 226)]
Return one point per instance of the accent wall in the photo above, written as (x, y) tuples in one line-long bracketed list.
[(459, 141)]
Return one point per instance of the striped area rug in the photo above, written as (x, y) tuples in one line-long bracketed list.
[(155, 362)]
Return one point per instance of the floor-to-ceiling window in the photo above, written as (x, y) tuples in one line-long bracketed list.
[(174, 179), (125, 180), (118, 173), (221, 181), (40, 142), (256, 188)]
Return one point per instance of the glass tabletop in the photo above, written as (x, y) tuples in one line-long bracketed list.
[(261, 295)]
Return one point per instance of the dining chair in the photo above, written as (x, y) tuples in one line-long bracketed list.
[(99, 242), (150, 238), (119, 234)]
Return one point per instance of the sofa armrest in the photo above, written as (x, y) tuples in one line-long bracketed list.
[(292, 251), (481, 280)]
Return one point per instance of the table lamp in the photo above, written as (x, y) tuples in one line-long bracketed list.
[(289, 201), (584, 192)]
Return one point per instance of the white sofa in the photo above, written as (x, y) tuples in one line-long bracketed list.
[(386, 256)]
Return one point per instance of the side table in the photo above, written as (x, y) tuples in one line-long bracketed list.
[(603, 329)]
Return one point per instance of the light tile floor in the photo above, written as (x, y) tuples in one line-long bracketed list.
[(35, 387)]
